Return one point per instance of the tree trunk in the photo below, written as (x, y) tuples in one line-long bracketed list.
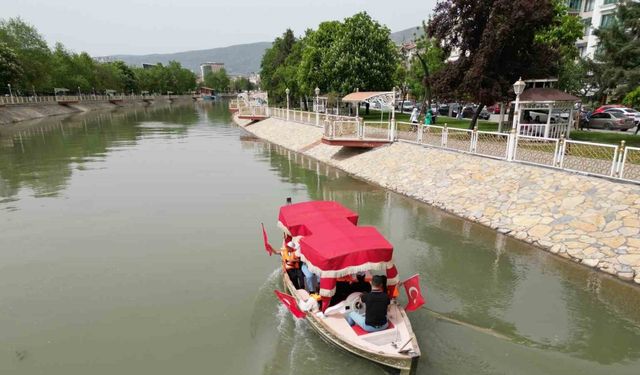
[(306, 105), (474, 120), (426, 84), (366, 108)]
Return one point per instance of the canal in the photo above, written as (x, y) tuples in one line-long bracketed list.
[(130, 244)]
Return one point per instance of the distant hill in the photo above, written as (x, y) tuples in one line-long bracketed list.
[(238, 59), (406, 35)]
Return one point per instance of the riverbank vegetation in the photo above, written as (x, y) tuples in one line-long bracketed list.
[(31, 67), (338, 57)]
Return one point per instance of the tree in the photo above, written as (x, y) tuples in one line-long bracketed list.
[(242, 84), (10, 70), (314, 69), (561, 35), (362, 56), (126, 75), (495, 43), (272, 59), (632, 99), (429, 59), (31, 50), (218, 81), (619, 46)]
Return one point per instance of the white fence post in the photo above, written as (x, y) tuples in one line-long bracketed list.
[(445, 135), (511, 145)]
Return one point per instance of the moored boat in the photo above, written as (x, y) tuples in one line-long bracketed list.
[(329, 242)]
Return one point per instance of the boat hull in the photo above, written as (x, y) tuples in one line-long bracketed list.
[(407, 364)]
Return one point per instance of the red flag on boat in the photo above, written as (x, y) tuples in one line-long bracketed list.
[(267, 246), (290, 303), (412, 287)]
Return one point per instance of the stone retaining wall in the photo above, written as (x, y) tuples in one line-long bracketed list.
[(590, 220), (22, 112)]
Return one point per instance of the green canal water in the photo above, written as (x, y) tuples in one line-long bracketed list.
[(130, 244)]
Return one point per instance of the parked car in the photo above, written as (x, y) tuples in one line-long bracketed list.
[(585, 114), (603, 108), (540, 116), (610, 121), (631, 113), (469, 111)]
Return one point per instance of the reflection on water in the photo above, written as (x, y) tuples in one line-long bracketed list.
[(131, 245), (41, 155)]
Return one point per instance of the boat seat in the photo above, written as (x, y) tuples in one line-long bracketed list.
[(360, 332)]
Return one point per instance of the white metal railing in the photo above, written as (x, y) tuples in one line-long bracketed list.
[(375, 130), (556, 130), (257, 111), (537, 150), (491, 144), (629, 167), (16, 100), (592, 158), (613, 161)]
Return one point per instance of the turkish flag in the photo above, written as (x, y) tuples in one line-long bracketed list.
[(412, 287), (266, 241), (291, 304)]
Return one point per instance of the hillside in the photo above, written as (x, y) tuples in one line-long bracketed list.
[(238, 59), (406, 35)]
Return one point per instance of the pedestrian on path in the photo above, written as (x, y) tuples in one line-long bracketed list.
[(428, 117), (414, 115)]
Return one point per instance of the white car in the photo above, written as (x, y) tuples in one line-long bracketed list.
[(628, 112)]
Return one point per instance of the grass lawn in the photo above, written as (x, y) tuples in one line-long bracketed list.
[(450, 121), (578, 135), (606, 137)]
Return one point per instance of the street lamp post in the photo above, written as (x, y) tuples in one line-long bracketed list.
[(317, 105), (392, 123), (518, 88), (79, 94), (287, 91), (10, 93)]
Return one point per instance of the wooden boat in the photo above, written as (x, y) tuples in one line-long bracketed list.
[(332, 246)]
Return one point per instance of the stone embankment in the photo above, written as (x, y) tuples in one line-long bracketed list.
[(22, 112), (589, 220)]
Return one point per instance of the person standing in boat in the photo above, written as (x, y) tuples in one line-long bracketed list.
[(377, 301), (291, 264)]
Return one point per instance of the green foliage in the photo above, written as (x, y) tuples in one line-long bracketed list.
[(619, 51), (161, 79), (31, 50), (315, 66), (497, 41), (362, 56), (561, 35), (274, 58), (632, 99), (10, 70), (242, 84), (218, 81), (428, 60), (27, 62), (338, 57)]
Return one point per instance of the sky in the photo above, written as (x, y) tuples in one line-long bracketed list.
[(108, 27)]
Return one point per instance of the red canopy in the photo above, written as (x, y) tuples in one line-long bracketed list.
[(332, 244)]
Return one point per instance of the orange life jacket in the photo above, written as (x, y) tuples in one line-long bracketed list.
[(289, 259)]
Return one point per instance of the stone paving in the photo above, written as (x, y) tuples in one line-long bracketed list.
[(589, 220)]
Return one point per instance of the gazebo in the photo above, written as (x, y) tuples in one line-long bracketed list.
[(385, 99), (545, 111)]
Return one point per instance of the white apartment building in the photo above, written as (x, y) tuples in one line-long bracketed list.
[(594, 14)]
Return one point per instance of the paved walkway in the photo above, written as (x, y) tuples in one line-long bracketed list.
[(590, 220)]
